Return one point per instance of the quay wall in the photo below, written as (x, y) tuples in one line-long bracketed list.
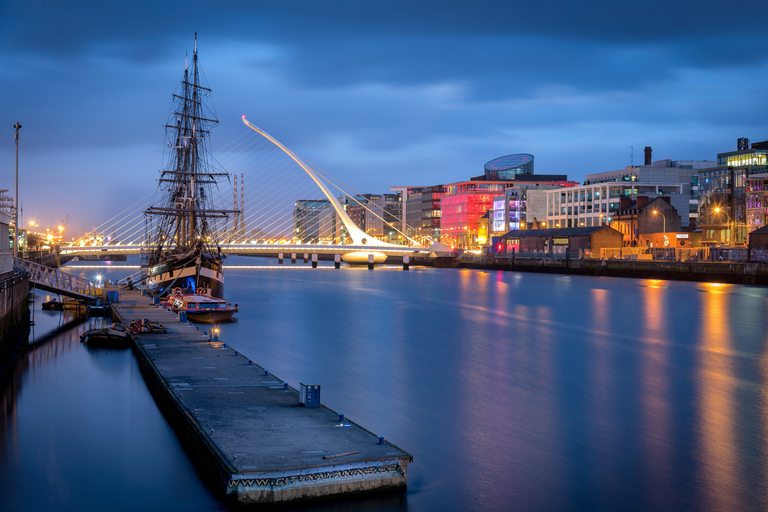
[(14, 318), (207, 454), (725, 272)]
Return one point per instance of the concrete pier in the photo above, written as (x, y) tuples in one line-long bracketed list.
[(247, 427)]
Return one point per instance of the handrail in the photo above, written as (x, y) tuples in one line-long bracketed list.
[(136, 278), (40, 274)]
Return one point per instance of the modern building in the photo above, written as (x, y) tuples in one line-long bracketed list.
[(723, 193), (685, 173), (596, 204), (424, 214), (461, 207), (521, 207), (306, 219), (756, 201), (356, 208), (465, 202), (412, 215), (383, 218), (405, 193), (506, 168)]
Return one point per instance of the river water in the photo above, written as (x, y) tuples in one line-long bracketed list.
[(512, 391)]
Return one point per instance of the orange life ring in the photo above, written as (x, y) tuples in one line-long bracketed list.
[(202, 291), (177, 291)]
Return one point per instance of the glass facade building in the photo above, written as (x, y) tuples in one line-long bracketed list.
[(508, 167), (728, 191)]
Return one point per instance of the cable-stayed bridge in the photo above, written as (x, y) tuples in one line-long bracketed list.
[(265, 222)]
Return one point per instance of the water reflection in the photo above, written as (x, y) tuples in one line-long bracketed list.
[(717, 388), (79, 430), (512, 391), (656, 426)]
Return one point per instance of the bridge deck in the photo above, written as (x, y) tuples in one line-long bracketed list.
[(249, 429)]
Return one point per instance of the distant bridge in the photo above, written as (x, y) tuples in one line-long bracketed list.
[(350, 253), (363, 245)]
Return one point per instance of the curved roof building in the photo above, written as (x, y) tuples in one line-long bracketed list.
[(507, 167)]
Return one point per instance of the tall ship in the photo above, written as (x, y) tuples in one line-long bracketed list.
[(183, 225)]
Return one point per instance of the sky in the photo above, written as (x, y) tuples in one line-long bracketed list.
[(375, 93)]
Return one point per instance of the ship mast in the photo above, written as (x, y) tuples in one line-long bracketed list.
[(186, 217)]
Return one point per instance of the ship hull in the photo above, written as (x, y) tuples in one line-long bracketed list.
[(163, 278), (212, 317)]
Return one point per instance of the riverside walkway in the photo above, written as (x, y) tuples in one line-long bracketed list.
[(247, 427)]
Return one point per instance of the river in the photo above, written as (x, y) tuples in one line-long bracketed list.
[(512, 391)]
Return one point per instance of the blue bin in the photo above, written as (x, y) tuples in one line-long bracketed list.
[(309, 395), (113, 296), (182, 317)]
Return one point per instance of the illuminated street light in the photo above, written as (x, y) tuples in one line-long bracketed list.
[(664, 218), (727, 217), (17, 127)]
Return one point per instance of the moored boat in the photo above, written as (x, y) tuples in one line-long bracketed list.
[(185, 225), (53, 305), (114, 336), (201, 307)]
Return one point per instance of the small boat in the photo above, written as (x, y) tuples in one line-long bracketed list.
[(201, 307), (99, 310), (114, 336), (53, 305)]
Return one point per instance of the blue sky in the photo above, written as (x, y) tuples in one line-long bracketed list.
[(376, 93)]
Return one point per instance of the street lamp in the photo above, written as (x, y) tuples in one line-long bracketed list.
[(727, 218), (17, 126), (664, 219)]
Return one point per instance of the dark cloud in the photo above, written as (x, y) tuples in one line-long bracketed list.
[(423, 91)]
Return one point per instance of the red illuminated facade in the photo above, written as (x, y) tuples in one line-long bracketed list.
[(462, 206)]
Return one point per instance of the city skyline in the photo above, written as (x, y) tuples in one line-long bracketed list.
[(408, 93)]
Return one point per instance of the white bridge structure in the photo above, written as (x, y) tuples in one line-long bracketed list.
[(361, 250)]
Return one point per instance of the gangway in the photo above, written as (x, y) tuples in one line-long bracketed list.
[(56, 281)]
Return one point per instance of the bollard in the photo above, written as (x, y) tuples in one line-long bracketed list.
[(279, 258), (337, 261), (251, 362), (381, 439), (406, 262), (314, 260), (266, 372), (370, 262), (306, 257), (285, 385), (341, 417), (293, 258)]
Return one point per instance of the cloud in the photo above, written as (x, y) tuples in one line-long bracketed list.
[(383, 93)]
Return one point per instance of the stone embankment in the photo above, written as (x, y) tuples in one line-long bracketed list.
[(720, 272)]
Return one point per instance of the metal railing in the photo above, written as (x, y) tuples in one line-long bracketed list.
[(56, 279), (135, 279)]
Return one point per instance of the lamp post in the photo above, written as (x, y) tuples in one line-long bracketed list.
[(664, 220), (664, 225), (17, 126), (727, 218)]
